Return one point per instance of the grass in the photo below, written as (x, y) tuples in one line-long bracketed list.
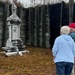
[(37, 62)]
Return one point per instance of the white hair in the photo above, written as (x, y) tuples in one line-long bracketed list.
[(65, 30)]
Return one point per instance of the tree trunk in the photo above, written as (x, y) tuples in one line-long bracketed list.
[(71, 6)]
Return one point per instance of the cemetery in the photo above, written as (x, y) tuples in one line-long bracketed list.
[(27, 36)]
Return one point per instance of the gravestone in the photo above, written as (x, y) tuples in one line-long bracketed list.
[(14, 44)]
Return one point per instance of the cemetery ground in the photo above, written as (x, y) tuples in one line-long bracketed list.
[(38, 61)]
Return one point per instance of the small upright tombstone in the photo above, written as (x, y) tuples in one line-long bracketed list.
[(14, 44)]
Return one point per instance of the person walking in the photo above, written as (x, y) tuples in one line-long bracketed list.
[(72, 34), (63, 52), (72, 30)]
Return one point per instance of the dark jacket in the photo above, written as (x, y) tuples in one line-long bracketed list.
[(72, 34)]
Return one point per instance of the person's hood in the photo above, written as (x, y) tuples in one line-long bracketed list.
[(66, 37)]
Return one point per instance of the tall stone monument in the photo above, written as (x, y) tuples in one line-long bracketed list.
[(14, 44)]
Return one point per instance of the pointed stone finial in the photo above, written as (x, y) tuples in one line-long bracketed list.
[(14, 7)]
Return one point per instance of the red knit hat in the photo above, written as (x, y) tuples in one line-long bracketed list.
[(72, 25)]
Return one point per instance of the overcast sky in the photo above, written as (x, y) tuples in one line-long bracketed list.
[(27, 3)]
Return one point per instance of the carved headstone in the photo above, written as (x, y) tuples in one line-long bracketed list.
[(14, 44)]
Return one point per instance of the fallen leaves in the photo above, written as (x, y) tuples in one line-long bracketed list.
[(37, 62)]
